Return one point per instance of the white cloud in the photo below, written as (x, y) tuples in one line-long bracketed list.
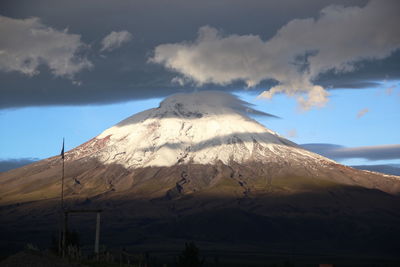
[(27, 43), (115, 40), (390, 89), (292, 133), (362, 113), (295, 56), (178, 80)]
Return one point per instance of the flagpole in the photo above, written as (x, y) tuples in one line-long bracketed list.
[(62, 178), (63, 231)]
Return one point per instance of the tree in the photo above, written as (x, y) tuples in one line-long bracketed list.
[(190, 256)]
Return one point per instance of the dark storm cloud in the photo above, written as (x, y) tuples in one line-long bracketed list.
[(337, 152), (124, 73), (9, 164), (368, 74)]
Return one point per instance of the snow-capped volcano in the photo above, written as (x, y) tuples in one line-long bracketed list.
[(200, 143), (197, 128)]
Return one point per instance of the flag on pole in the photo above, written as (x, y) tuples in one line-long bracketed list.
[(62, 150)]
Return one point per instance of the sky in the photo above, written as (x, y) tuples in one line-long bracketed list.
[(330, 70)]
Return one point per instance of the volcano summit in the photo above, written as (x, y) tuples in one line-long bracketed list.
[(185, 169)]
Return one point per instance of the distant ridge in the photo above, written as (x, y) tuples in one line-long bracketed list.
[(392, 169)]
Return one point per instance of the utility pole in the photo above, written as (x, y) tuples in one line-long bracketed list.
[(97, 238), (65, 230)]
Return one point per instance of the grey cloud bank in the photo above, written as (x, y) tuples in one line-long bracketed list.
[(108, 68), (337, 152)]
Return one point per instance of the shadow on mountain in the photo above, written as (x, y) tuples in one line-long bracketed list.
[(275, 208), (234, 138), (342, 222)]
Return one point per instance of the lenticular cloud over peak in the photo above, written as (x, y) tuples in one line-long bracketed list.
[(298, 53), (211, 102)]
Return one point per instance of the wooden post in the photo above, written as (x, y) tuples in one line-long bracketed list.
[(97, 239), (64, 237), (62, 185), (60, 233)]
